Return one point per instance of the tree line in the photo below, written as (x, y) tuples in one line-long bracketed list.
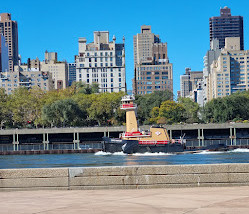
[(82, 105)]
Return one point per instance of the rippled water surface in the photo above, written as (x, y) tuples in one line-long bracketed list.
[(120, 159)]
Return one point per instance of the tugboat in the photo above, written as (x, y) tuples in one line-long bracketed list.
[(135, 141)]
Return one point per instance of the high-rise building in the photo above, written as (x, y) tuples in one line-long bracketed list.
[(4, 58), (191, 85), (151, 64), (230, 72), (226, 25), (190, 81), (102, 62), (57, 69), (211, 55), (8, 29)]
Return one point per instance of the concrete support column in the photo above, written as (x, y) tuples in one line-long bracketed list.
[(76, 140), (233, 136), (170, 134), (201, 137), (45, 141), (15, 142)]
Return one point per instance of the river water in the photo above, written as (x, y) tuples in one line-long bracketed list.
[(120, 159)]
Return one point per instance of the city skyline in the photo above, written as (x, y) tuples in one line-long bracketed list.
[(56, 32)]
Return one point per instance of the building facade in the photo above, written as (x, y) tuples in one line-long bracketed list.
[(4, 57), (211, 55), (102, 62), (8, 29), (230, 72), (226, 25), (71, 73), (24, 76), (57, 69), (152, 70), (190, 81)]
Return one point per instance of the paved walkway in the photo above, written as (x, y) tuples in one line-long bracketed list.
[(222, 200)]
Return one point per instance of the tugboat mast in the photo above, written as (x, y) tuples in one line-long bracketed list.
[(130, 107)]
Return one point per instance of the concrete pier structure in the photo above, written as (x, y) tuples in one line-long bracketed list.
[(196, 135)]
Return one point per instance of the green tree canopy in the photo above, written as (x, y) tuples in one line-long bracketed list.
[(147, 102), (191, 109), (63, 113)]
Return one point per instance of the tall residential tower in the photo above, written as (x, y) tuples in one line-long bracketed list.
[(226, 25), (229, 73), (8, 29), (152, 68)]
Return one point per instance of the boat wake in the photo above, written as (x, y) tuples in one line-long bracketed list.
[(240, 150), (152, 154), (209, 152), (101, 153), (108, 153)]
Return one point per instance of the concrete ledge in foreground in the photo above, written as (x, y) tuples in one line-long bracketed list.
[(125, 177)]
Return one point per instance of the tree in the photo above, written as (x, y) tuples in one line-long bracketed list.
[(154, 115), (172, 112), (84, 88), (63, 113), (191, 109), (147, 102), (233, 107), (25, 106), (4, 110), (104, 108)]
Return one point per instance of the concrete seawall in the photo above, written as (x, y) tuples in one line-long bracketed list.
[(125, 177)]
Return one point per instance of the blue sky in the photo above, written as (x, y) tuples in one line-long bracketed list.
[(56, 26)]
